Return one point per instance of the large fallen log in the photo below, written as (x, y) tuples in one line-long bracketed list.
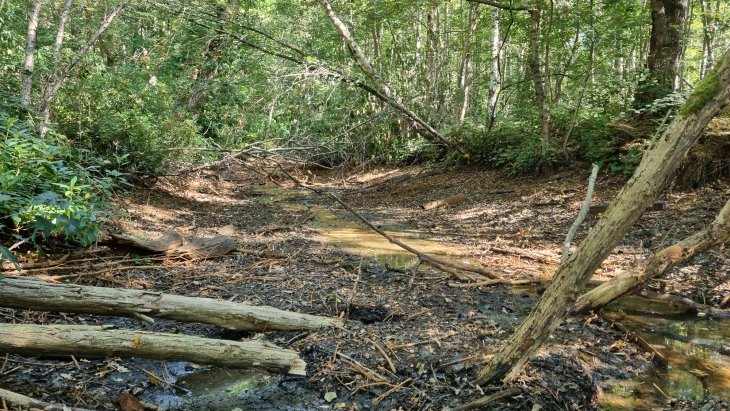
[(25, 293), (106, 341), (167, 242)]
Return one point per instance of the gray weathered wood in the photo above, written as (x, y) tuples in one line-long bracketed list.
[(25, 293), (106, 341)]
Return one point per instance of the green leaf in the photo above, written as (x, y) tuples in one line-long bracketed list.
[(5, 253)]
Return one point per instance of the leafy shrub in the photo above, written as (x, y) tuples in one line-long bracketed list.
[(45, 189), (120, 111)]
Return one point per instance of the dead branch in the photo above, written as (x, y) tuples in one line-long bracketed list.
[(41, 264), (581, 215), (22, 401), (659, 205), (657, 357), (483, 402), (38, 295), (687, 303)]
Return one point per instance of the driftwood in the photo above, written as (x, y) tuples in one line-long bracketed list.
[(173, 243), (659, 205), (22, 402), (106, 341), (38, 295), (457, 198)]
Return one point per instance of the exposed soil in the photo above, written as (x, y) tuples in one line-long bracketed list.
[(437, 336)]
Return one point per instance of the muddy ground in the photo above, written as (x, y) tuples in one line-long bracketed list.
[(437, 335)]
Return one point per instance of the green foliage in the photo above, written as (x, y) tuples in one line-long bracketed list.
[(46, 189), (119, 113), (705, 90)]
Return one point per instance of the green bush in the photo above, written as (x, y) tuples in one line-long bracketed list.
[(119, 111), (45, 189)]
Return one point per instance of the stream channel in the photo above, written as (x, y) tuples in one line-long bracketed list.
[(694, 370)]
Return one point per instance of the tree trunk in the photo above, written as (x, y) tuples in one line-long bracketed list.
[(422, 127), (495, 77), (538, 80), (466, 61), (106, 341), (29, 62), (665, 45), (56, 80), (716, 234), (38, 295), (655, 169), (60, 32)]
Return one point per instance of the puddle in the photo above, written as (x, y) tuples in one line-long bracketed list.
[(695, 368), (352, 236), (229, 389)]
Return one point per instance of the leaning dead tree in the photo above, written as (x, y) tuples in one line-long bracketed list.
[(715, 234), (29, 294), (106, 341), (657, 166), (422, 127)]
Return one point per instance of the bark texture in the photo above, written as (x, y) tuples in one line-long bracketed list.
[(657, 166), (106, 341), (38, 295), (29, 61), (665, 46)]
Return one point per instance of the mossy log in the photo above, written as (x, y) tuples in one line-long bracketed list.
[(38, 295), (107, 341)]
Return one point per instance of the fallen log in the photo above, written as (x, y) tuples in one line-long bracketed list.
[(686, 303), (208, 247), (457, 198), (23, 402), (659, 205), (167, 242), (715, 234), (106, 341), (25, 293)]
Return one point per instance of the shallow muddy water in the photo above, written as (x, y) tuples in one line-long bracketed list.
[(691, 344)]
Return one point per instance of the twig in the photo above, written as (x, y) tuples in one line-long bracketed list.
[(43, 264), (509, 392), (486, 283), (383, 396), (658, 357), (383, 353), (357, 366), (581, 215)]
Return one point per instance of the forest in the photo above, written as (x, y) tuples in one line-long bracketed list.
[(386, 205)]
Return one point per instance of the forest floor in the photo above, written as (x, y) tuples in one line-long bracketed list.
[(299, 251)]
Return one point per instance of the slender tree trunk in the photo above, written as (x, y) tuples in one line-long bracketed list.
[(56, 80), (29, 62), (466, 61), (538, 80), (655, 169), (495, 77), (60, 32), (422, 127), (665, 46)]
